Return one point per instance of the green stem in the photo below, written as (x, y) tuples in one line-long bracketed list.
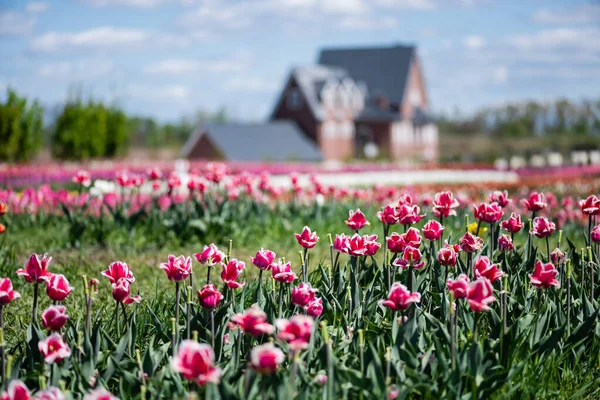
[(35, 303), (117, 319)]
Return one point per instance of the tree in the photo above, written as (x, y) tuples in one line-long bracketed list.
[(20, 128)]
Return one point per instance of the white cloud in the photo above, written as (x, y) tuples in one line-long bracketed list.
[(36, 7), (15, 23), (561, 38), (408, 4), (127, 3), (175, 66), (500, 74), (474, 42), (251, 84), (106, 37), (159, 93), (585, 14), (77, 70), (364, 23)]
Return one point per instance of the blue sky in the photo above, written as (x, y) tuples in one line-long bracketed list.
[(169, 58)]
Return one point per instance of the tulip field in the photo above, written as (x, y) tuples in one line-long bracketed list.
[(219, 285)]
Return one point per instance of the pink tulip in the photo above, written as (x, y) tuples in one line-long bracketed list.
[(57, 287), (209, 297), (54, 349), (54, 317), (557, 257), (484, 267), (196, 362), (444, 204), (433, 230), (490, 213), (303, 294), (459, 287), (118, 270), (480, 295), (321, 379), (471, 243), (513, 224), (154, 173), (505, 243), (36, 269), (409, 214), (356, 220), (7, 294), (283, 272), (590, 206), (395, 243), (542, 227), (210, 255), (121, 290), (499, 197), (123, 178), (83, 178), (389, 215), (16, 391), (411, 257), (296, 331), (399, 297), (266, 358), (595, 234), (544, 275), (315, 307), (340, 244), (231, 273), (448, 255), (263, 259), (253, 322), (536, 202), (178, 269), (51, 393), (412, 238), (307, 238), (100, 394)]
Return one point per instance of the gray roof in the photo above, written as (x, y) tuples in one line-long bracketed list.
[(384, 69), (270, 141), (372, 113)]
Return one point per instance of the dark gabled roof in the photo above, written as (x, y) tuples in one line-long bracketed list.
[(270, 141), (372, 113), (384, 69)]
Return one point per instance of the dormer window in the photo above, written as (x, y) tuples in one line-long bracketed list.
[(294, 99)]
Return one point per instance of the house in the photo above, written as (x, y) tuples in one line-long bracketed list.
[(271, 141), (360, 103)]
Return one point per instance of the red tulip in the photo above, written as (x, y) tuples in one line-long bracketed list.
[(54, 349), (196, 362), (412, 238), (265, 359), (57, 287), (484, 267), (209, 297), (340, 244), (118, 270), (405, 198), (315, 307), (210, 255), (54, 317), (444, 204), (173, 180), (408, 214), (83, 178), (557, 257), (505, 243), (411, 257), (253, 322), (395, 243), (389, 215), (303, 294), (231, 273), (448, 255), (7, 294), (177, 268), (296, 331), (595, 234), (51, 393), (16, 391), (433, 230), (500, 197), (263, 259), (36, 268), (399, 297), (3, 208), (100, 394), (2, 228), (459, 287), (356, 220), (544, 275), (542, 227), (154, 173), (480, 295), (490, 213), (307, 238), (123, 178), (590, 206), (283, 272), (471, 243), (513, 224), (536, 202), (372, 245), (121, 290)]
